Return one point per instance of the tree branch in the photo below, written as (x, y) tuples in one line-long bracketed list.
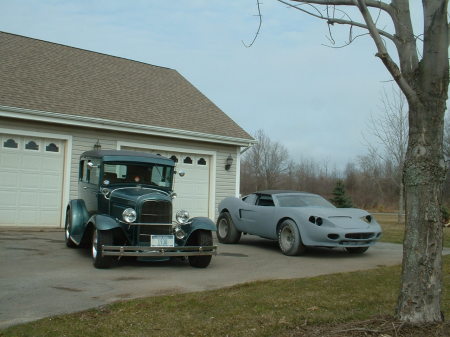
[(332, 21), (370, 3), (383, 54)]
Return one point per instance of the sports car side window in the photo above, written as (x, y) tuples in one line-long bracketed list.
[(250, 199), (265, 200)]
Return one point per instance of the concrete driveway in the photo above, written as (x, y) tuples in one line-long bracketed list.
[(40, 276)]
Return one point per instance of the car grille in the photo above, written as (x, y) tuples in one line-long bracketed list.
[(359, 236), (156, 212), (154, 216)]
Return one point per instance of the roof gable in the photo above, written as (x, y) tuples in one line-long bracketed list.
[(44, 76)]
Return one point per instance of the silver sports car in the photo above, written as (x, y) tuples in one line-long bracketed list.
[(297, 220)]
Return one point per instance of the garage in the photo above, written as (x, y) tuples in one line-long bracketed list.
[(31, 180), (193, 188)]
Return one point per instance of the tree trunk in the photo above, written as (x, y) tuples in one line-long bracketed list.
[(424, 175), (401, 204)]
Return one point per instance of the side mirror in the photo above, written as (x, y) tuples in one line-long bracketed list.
[(91, 165)]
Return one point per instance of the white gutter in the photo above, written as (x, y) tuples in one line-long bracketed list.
[(106, 124)]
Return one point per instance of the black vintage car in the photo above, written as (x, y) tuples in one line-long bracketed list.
[(125, 209)]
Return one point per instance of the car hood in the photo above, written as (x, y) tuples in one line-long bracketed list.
[(133, 195), (348, 218)]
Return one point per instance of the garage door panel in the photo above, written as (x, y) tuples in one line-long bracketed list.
[(31, 182), (9, 179)]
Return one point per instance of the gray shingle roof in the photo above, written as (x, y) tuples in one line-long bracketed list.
[(45, 76)]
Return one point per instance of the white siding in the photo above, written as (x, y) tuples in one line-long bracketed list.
[(83, 139)]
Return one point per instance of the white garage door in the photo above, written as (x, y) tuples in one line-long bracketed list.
[(192, 189), (31, 180)]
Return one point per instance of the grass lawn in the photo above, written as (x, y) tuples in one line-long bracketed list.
[(393, 232), (347, 304)]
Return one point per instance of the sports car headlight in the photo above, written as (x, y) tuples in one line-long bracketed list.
[(129, 215), (367, 218), (182, 216)]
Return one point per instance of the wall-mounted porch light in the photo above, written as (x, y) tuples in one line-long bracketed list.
[(97, 146), (228, 163)]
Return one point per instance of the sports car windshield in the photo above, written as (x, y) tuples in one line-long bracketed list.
[(292, 200)]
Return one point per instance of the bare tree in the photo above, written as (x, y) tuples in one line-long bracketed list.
[(266, 161), (423, 78), (390, 129)]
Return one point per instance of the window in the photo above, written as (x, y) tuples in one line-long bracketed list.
[(31, 145), (174, 158), (250, 199), (265, 200), (187, 160), (52, 147), (11, 144), (201, 161)]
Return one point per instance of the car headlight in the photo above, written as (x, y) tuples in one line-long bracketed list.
[(182, 216), (316, 220), (367, 218), (129, 215), (179, 233)]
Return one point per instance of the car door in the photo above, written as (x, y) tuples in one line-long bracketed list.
[(258, 216), (88, 188)]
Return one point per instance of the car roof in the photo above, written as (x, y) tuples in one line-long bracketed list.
[(273, 192), (125, 155)]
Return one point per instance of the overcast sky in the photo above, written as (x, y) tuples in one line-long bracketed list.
[(313, 99)]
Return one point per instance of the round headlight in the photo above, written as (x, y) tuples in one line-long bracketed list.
[(179, 233), (182, 216), (129, 215)]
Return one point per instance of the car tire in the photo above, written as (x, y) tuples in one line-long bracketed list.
[(100, 238), (200, 238), (226, 230), (289, 239), (356, 250), (68, 229)]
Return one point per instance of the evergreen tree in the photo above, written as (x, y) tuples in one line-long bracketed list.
[(341, 200)]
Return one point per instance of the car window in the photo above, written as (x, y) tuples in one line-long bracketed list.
[(299, 200), (89, 174), (250, 199), (265, 200)]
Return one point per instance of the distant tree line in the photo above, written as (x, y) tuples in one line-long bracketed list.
[(370, 182)]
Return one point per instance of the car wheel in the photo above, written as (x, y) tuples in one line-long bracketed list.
[(100, 238), (289, 239), (226, 230), (68, 229), (356, 250), (200, 238)]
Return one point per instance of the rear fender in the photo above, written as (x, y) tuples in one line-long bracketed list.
[(80, 217)]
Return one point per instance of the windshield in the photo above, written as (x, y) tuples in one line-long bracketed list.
[(299, 200), (138, 173)]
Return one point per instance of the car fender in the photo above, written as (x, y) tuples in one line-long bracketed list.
[(80, 217), (104, 222), (202, 223)]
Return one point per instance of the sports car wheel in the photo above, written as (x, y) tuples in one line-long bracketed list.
[(226, 231), (200, 238), (67, 229), (356, 250), (100, 238), (289, 239)]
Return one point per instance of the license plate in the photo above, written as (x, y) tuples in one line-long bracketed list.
[(162, 241)]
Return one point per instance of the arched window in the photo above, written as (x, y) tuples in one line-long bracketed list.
[(187, 160), (52, 147), (31, 145), (174, 158), (201, 161), (11, 144)]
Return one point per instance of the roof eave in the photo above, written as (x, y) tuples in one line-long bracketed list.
[(112, 125)]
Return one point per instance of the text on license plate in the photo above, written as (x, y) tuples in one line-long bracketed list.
[(162, 241)]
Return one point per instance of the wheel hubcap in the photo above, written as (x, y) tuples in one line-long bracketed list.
[(286, 238), (223, 228), (94, 245)]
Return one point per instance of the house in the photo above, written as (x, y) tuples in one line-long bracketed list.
[(58, 101)]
